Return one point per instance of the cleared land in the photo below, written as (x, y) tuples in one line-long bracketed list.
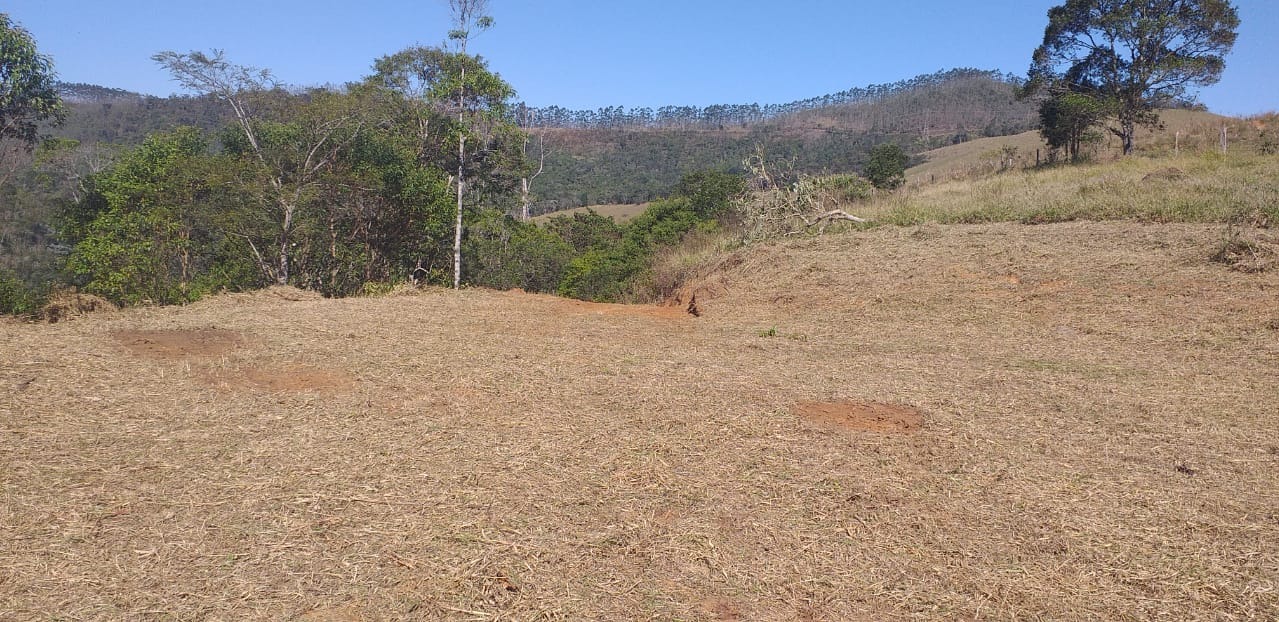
[(1098, 405), (621, 212)]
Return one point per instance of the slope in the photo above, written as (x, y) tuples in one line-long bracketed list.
[(1097, 405)]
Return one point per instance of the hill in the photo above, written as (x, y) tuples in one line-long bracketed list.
[(1191, 130), (618, 159), (901, 423)]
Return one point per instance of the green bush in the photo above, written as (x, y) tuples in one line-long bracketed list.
[(15, 297), (505, 253), (711, 194), (586, 230), (887, 166), (603, 275)]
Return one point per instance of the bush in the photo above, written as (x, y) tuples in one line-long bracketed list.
[(586, 230), (505, 253), (711, 194), (603, 275), (886, 168), (15, 297)]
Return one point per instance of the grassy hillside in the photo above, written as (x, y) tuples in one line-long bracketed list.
[(1191, 131), (1070, 421), (621, 213), (1191, 188)]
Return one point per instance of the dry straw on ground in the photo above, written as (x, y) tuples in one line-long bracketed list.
[(1099, 444)]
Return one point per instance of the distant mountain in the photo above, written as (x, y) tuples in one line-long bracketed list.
[(81, 93), (720, 116), (619, 155)]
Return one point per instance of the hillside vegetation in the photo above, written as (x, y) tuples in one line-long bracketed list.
[(625, 162)]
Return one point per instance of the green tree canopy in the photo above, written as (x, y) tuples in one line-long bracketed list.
[(1066, 121), (456, 95), (28, 95), (886, 168), (1133, 55)]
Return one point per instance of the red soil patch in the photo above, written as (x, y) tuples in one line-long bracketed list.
[(722, 609), (608, 309), (283, 379), (862, 416), (179, 343)]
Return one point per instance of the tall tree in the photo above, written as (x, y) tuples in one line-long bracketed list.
[(460, 101), (1133, 55), (28, 95), (469, 19)]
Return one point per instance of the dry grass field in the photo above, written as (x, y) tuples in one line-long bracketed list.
[(621, 212), (1061, 422)]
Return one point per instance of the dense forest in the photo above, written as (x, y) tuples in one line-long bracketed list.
[(61, 223)]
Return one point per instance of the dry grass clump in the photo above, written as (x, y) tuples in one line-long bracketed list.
[(66, 304), (1248, 246), (1098, 443)]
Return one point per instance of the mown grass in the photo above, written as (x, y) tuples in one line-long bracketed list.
[(1194, 189)]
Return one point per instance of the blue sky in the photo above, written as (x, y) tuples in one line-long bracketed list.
[(593, 53)]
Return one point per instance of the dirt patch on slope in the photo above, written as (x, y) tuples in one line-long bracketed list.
[(179, 343), (862, 416), (282, 379)]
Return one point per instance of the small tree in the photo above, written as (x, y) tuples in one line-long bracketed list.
[(1133, 55), (1066, 120), (886, 168)]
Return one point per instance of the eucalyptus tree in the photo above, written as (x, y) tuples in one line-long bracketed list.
[(459, 101), (1131, 56)]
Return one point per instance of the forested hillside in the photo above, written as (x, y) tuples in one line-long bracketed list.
[(615, 155)]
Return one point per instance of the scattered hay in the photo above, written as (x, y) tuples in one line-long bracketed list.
[(507, 456), (862, 416), (288, 292), (68, 304), (178, 343)]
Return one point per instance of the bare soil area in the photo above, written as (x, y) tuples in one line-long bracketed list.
[(862, 416), (178, 343), (1099, 443)]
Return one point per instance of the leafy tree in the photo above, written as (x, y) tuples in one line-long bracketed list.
[(460, 104), (28, 94), (148, 230), (1066, 121), (292, 151), (711, 193), (1133, 55), (28, 91), (886, 168)]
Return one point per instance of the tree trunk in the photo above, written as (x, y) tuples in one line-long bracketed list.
[(457, 226), (1127, 131), (524, 199), (282, 276)]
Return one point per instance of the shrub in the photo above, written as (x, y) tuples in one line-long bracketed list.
[(886, 168)]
